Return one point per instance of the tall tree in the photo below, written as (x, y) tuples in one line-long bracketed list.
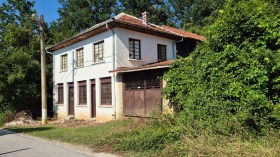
[(194, 14), (159, 11), (19, 57), (77, 15)]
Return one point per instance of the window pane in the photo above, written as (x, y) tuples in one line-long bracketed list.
[(106, 94), (80, 57), (161, 53), (82, 95), (60, 94), (64, 62), (98, 51), (134, 49)]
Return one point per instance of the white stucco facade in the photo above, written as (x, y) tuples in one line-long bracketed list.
[(117, 44)]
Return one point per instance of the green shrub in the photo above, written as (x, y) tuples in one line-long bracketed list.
[(5, 114), (152, 135), (231, 82)]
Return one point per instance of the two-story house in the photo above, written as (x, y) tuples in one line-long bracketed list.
[(113, 69)]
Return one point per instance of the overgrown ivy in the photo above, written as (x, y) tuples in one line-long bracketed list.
[(231, 82)]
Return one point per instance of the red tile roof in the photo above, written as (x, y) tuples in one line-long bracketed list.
[(125, 18), (184, 33), (158, 65), (134, 24)]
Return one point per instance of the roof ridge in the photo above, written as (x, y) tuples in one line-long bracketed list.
[(123, 13), (170, 30), (173, 29)]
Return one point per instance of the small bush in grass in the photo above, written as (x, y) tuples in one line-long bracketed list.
[(5, 114), (154, 135)]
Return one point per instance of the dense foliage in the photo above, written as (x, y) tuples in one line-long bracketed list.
[(78, 15), (232, 80), (195, 14), (19, 58)]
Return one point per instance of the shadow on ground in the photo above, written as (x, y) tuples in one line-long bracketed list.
[(15, 151), (27, 130)]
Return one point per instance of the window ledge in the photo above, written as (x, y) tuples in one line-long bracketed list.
[(136, 60), (79, 67), (81, 105), (99, 62), (61, 71), (105, 106)]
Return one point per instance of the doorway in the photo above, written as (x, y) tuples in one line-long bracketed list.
[(93, 99), (71, 99)]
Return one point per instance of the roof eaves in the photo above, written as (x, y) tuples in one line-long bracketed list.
[(140, 69), (82, 33)]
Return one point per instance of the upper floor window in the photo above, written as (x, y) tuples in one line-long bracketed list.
[(63, 62), (82, 93), (161, 52), (134, 49), (80, 57), (60, 93), (98, 51)]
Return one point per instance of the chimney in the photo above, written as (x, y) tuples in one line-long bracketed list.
[(145, 18)]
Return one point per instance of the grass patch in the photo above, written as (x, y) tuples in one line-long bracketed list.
[(85, 135), (159, 137)]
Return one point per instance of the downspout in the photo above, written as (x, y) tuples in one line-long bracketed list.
[(73, 73), (114, 75), (174, 43)]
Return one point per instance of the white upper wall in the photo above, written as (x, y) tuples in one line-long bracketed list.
[(90, 70), (148, 48)]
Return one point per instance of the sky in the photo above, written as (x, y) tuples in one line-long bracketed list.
[(46, 7)]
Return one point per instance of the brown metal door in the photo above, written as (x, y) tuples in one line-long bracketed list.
[(153, 100), (142, 94), (93, 101), (71, 100), (129, 101), (135, 102)]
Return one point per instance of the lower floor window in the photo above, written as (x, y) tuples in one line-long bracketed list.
[(60, 93), (82, 93), (106, 91)]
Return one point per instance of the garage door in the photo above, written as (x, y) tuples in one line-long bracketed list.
[(142, 94)]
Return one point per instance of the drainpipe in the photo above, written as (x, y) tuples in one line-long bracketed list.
[(73, 73), (114, 75), (174, 43), (53, 73)]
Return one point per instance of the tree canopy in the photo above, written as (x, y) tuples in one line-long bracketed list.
[(19, 57), (77, 15)]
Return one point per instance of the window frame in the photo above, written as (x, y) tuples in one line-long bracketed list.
[(95, 54), (63, 62), (133, 49), (108, 82), (60, 94), (159, 52), (82, 92), (80, 57)]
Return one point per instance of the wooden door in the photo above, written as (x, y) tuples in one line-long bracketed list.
[(93, 101), (71, 100)]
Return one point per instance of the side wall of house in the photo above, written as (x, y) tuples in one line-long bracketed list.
[(90, 71)]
